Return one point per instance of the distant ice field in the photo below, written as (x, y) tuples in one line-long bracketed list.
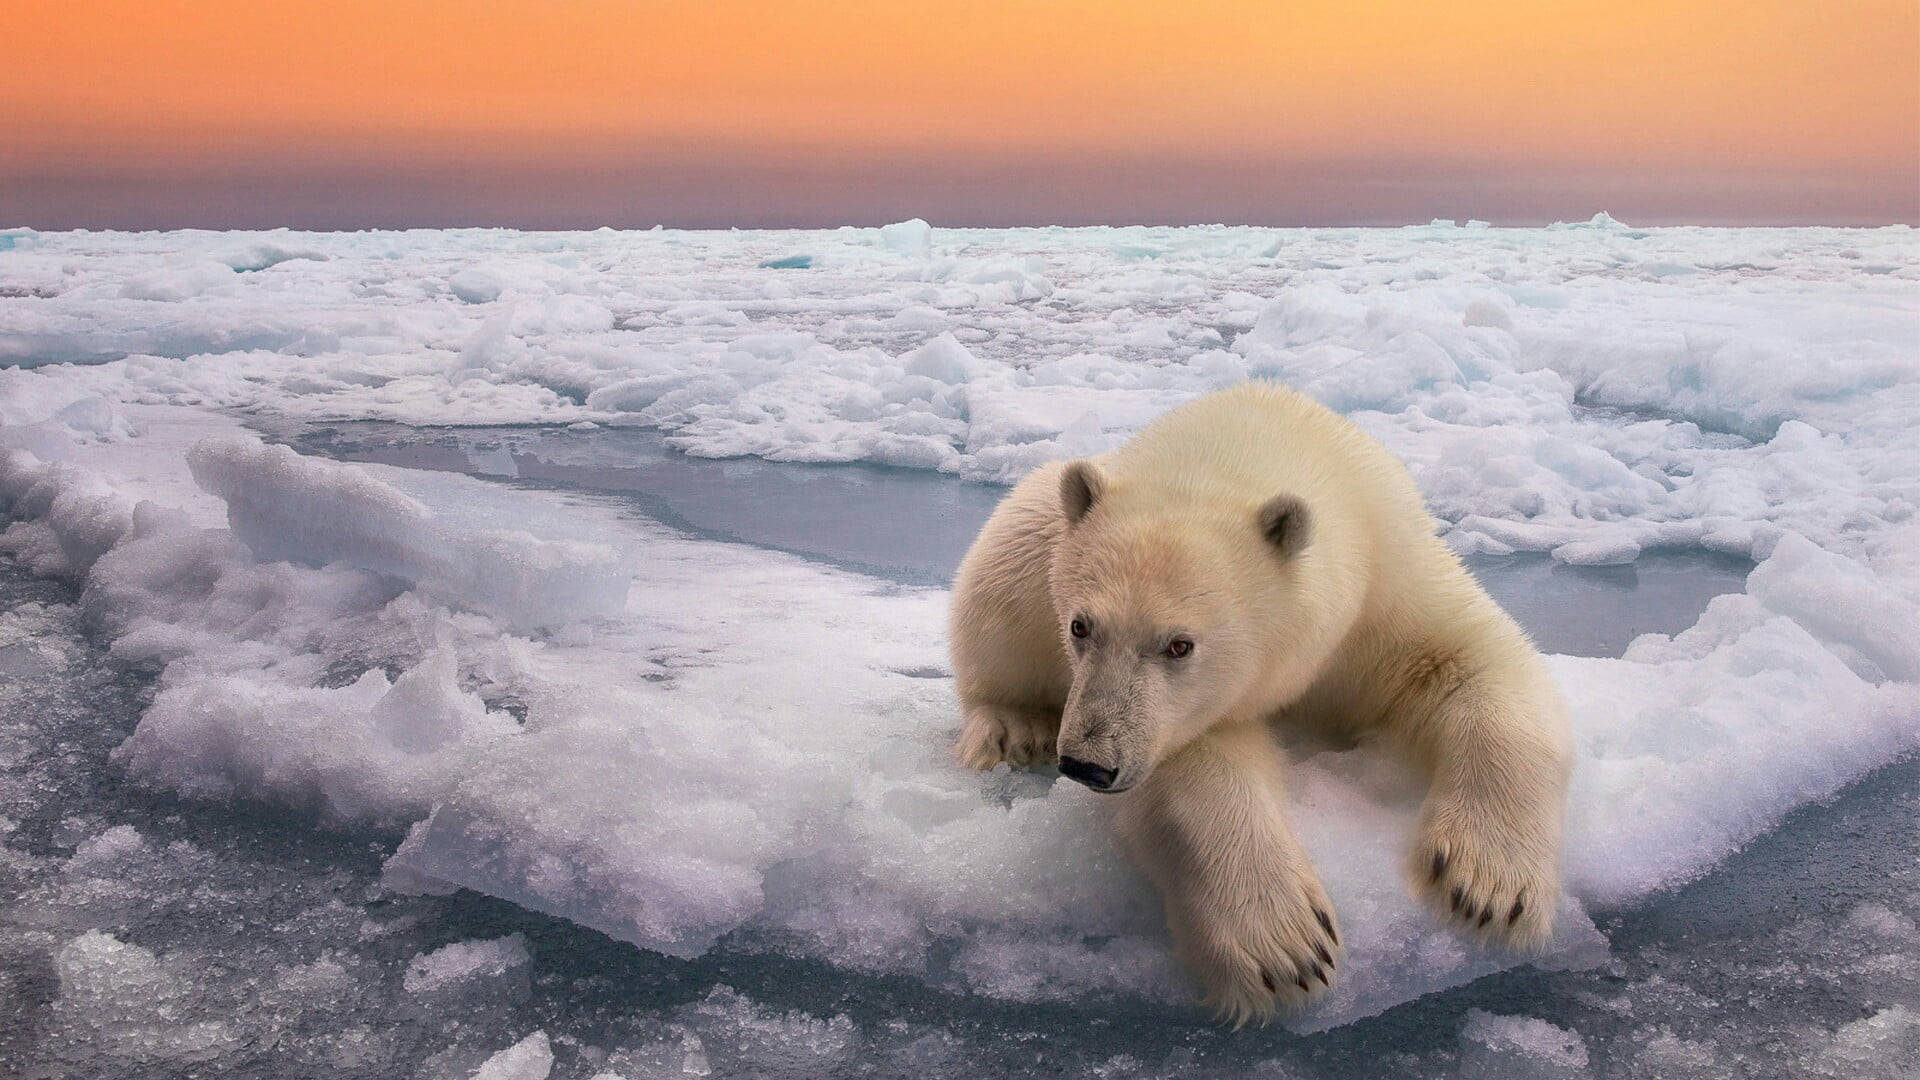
[(721, 724)]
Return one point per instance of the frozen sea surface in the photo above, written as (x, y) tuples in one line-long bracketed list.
[(684, 704), (144, 934)]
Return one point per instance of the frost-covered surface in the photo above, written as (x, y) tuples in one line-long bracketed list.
[(743, 754)]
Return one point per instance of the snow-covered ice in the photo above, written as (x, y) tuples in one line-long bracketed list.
[(284, 507), (708, 748), (1521, 1046), (463, 961), (529, 1059)]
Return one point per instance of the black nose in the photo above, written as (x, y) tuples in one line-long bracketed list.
[(1097, 777)]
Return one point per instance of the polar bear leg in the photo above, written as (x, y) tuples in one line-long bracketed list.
[(1248, 915), (1009, 666), (1019, 735), (1488, 849)]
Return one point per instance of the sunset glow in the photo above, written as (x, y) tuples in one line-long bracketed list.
[(1763, 96)]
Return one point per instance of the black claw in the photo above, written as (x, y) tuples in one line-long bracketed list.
[(1486, 916), (1321, 974), (1325, 956), (1519, 909), (1304, 985), (1326, 923), (1266, 979), (1459, 898), (1439, 865)]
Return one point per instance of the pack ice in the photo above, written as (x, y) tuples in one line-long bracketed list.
[(699, 746)]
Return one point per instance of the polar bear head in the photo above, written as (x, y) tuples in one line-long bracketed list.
[(1174, 606)]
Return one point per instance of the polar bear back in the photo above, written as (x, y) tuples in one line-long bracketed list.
[(1258, 440)]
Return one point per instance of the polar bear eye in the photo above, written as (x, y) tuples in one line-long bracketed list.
[(1179, 648), (1077, 628)]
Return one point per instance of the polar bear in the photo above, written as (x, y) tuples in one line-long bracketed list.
[(1252, 565)]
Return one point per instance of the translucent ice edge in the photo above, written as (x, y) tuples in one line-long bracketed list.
[(748, 754)]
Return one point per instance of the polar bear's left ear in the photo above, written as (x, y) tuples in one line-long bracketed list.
[(1286, 523), (1080, 487)]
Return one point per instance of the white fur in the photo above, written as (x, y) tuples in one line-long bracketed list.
[(1295, 554)]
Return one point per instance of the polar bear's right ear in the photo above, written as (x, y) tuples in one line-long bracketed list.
[(1080, 488)]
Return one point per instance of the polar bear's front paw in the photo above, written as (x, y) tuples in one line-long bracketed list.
[(1498, 883), (1277, 948), (1018, 736)]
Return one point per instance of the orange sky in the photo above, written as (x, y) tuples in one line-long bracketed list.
[(1760, 88)]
